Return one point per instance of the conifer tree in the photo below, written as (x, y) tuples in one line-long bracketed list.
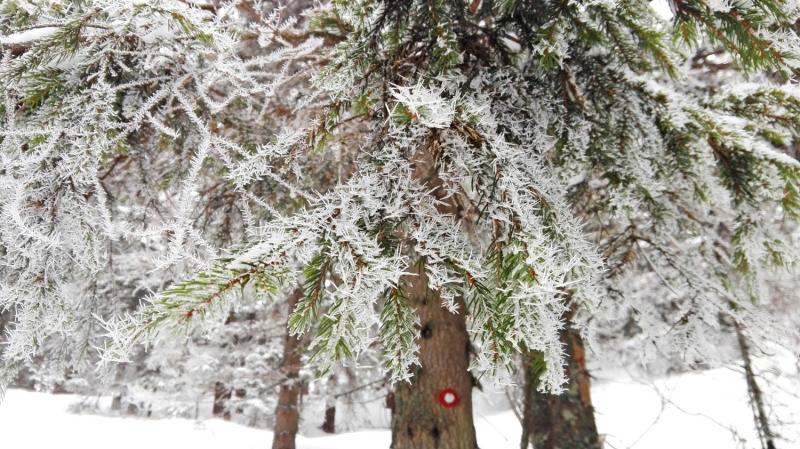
[(512, 160), (121, 191)]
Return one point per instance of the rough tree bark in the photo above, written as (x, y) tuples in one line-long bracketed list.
[(287, 416), (565, 421), (420, 419)]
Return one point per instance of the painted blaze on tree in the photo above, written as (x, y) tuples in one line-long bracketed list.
[(448, 398), (512, 159)]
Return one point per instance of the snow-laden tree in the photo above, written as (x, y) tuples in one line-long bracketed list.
[(92, 173), (511, 159), (657, 293)]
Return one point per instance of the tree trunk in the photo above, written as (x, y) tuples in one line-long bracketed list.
[(5, 317), (120, 387), (435, 409), (329, 424), (565, 421), (287, 415), (221, 396), (756, 397)]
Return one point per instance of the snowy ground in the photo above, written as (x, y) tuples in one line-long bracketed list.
[(707, 410)]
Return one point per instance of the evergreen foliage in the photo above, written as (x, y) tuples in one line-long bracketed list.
[(564, 149)]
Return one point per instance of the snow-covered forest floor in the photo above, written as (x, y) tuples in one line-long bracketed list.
[(706, 410)]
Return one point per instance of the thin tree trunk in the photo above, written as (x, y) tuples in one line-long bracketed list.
[(527, 419), (221, 396), (287, 415), (756, 397), (565, 421), (434, 410), (120, 389), (5, 317), (223, 392), (329, 423)]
